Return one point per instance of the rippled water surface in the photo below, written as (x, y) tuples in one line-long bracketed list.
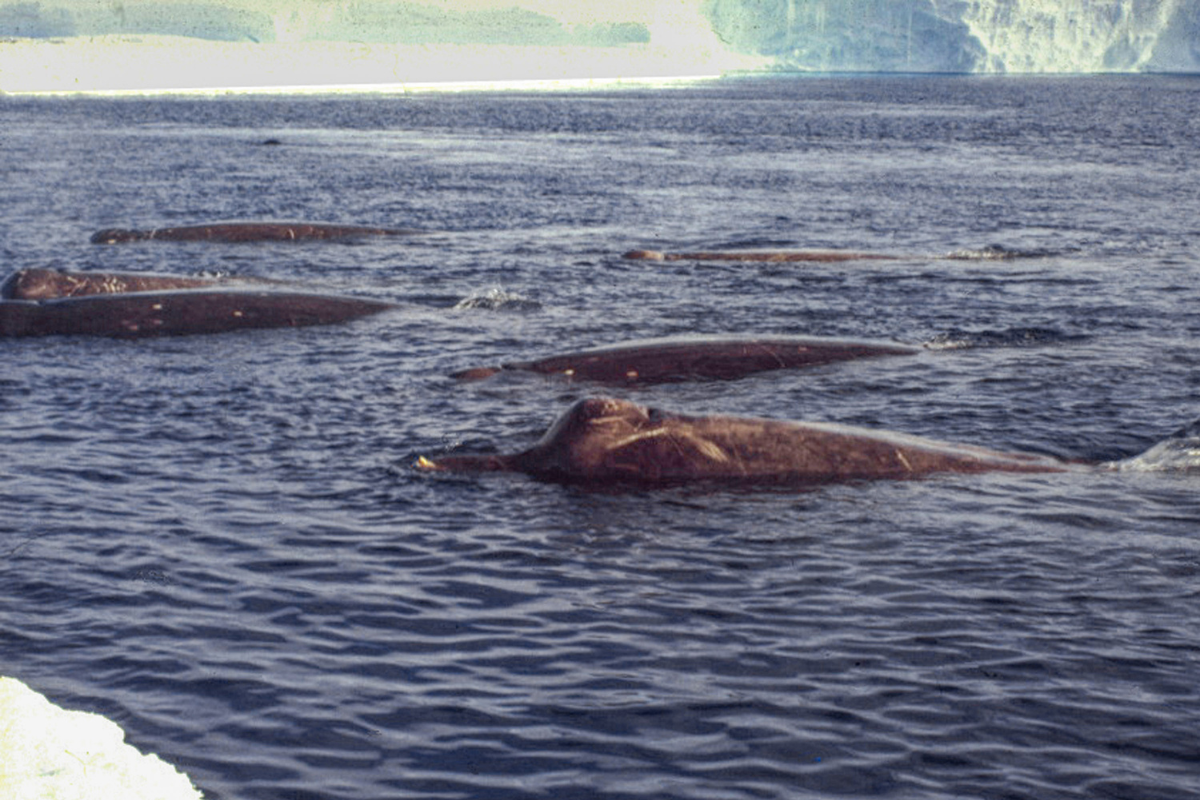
[(220, 543)]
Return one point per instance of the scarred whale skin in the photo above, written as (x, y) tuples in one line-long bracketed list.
[(825, 256), (246, 232), (673, 360), (988, 253), (49, 302), (48, 284), (607, 441)]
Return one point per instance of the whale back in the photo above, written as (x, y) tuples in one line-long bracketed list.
[(672, 360), (604, 440), (246, 232), (198, 311), (770, 256), (49, 284)]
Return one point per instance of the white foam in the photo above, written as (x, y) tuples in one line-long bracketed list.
[(495, 298), (1181, 454), (50, 753)]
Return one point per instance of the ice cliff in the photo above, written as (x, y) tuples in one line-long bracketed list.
[(965, 35)]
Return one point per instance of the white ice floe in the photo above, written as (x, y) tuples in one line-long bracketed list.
[(50, 753)]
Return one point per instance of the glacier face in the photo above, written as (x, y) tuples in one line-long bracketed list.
[(965, 35)]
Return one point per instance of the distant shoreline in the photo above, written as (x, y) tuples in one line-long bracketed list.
[(123, 64)]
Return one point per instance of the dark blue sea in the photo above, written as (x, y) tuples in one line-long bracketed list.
[(220, 542)]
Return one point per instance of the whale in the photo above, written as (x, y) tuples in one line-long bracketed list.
[(604, 441), (246, 232), (820, 256), (43, 302), (992, 252), (677, 359), (37, 283)]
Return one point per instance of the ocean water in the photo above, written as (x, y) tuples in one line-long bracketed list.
[(220, 543)]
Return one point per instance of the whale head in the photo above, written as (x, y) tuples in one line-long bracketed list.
[(114, 236), (604, 439)]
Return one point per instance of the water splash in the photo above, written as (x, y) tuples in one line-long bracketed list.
[(1177, 454), (956, 339), (995, 252), (497, 299)]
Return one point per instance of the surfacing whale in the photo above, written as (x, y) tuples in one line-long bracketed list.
[(52, 284), (43, 302), (606, 441), (823, 256), (246, 232), (989, 253), (671, 360)]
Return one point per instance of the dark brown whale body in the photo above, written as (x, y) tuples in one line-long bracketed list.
[(988, 253), (695, 358), (820, 256), (246, 232), (42, 302), (603, 441), (53, 284)]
